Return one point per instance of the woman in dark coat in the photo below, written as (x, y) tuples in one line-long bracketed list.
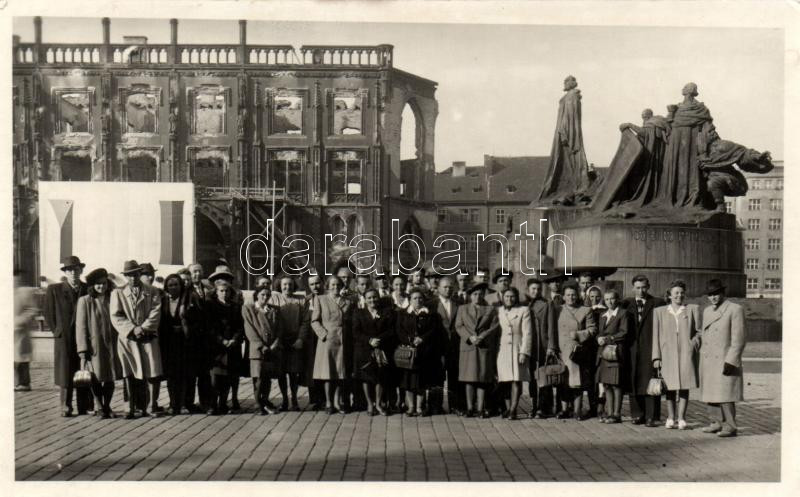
[(417, 327), (181, 334), (612, 368), (97, 339), (373, 343), (227, 332), (292, 316)]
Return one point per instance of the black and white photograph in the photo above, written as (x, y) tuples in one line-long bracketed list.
[(464, 245)]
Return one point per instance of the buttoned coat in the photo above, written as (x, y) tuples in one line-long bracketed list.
[(95, 335), (672, 344), (329, 318), (291, 309), (581, 321), (61, 303), (615, 330), (722, 340), (476, 363), (543, 323), (640, 343), (515, 339), (365, 328), (140, 358), (263, 329)]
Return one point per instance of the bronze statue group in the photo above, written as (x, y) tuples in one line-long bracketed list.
[(384, 344)]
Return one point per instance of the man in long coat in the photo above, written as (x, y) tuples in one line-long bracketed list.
[(722, 344), (59, 311), (645, 409), (543, 322)]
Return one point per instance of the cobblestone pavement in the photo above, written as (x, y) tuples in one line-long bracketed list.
[(314, 446)]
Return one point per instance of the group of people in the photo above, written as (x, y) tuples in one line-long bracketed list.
[(383, 343)]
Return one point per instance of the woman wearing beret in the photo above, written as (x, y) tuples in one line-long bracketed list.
[(97, 339), (675, 342), (477, 325)]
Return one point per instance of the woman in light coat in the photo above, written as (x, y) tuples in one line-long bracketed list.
[(263, 329), (329, 317), (576, 325), (476, 324), (722, 344), (514, 351), (97, 339), (675, 342)]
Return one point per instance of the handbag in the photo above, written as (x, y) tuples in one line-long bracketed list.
[(83, 377), (553, 373), (656, 387), (405, 357), (581, 355), (610, 352)]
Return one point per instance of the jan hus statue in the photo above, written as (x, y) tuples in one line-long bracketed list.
[(569, 177)]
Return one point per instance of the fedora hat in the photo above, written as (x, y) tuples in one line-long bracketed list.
[(71, 261), (498, 273), (131, 267), (476, 287), (147, 268), (99, 275), (714, 286), (221, 272)]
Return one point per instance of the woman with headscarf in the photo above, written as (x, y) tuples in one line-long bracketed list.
[(264, 328), (97, 339)]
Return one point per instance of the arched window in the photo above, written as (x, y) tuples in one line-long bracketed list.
[(354, 226)]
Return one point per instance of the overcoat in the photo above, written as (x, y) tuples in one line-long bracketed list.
[(640, 343), (515, 338), (140, 358), (95, 334), (226, 323), (291, 310), (722, 340), (60, 306), (183, 336), (329, 317), (672, 344), (263, 328), (543, 324), (615, 330), (426, 326), (580, 320), (366, 327), (476, 363)]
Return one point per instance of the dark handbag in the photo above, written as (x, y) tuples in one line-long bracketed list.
[(610, 353), (581, 354), (84, 377), (552, 374), (405, 357), (656, 387)]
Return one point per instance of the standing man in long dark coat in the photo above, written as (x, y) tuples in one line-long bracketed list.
[(568, 179), (543, 322), (645, 409), (60, 306)]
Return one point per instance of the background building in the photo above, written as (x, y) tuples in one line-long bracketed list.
[(760, 215), (322, 124)]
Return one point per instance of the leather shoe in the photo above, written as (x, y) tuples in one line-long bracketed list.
[(638, 421), (651, 424), (712, 428), (563, 415), (485, 414), (726, 433)]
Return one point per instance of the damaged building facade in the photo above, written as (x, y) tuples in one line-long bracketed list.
[(309, 135)]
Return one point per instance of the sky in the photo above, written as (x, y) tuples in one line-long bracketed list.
[(499, 85)]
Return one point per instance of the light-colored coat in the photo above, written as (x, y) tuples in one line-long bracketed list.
[(328, 321), (515, 338), (580, 320), (95, 335), (722, 340), (674, 346), (139, 359)]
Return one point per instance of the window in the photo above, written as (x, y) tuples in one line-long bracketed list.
[(774, 244), (776, 204), (754, 204), (756, 184), (287, 170), (346, 172), (209, 110), (752, 244), (474, 215), (500, 216), (728, 206), (472, 244), (752, 283), (511, 188), (772, 284), (347, 118), (752, 264), (779, 184), (287, 113), (768, 184), (774, 264), (76, 168), (498, 248), (464, 215), (141, 168), (442, 213), (402, 188), (753, 224), (775, 224)]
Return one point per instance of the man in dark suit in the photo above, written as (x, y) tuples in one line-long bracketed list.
[(645, 409), (61, 302), (446, 307), (204, 291), (464, 281)]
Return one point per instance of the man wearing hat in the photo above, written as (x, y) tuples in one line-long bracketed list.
[(60, 305), (148, 276), (502, 282), (554, 285), (135, 314), (722, 344)]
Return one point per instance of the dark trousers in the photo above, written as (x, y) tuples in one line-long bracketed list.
[(222, 386), (102, 393), (456, 391), (541, 398), (201, 384), (137, 394), (645, 407), (84, 398), (316, 393), (22, 374), (177, 386)]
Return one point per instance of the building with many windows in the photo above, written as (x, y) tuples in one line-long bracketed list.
[(317, 128), (760, 215)]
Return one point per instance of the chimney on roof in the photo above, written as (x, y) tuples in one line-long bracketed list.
[(459, 169), (488, 164)]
